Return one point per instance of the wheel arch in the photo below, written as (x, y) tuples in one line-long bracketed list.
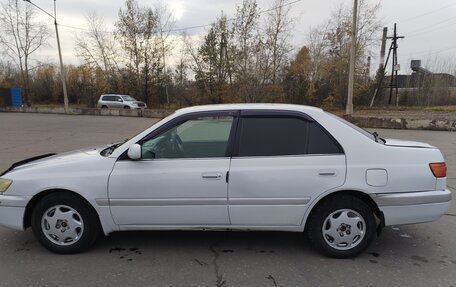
[(365, 197), (37, 197)]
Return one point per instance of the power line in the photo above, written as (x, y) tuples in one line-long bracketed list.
[(429, 28), (436, 51), (188, 27), (427, 13)]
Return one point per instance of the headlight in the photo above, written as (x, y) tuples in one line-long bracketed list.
[(4, 184)]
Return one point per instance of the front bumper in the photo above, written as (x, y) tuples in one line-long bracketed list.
[(413, 207), (12, 209)]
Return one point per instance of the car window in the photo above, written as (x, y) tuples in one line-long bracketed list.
[(106, 98), (320, 142), (110, 98), (353, 126), (128, 98), (272, 136), (196, 138)]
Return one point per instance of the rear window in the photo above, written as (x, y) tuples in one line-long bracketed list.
[(108, 98), (353, 126)]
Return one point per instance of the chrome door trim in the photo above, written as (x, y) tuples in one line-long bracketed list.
[(269, 201), (166, 201)]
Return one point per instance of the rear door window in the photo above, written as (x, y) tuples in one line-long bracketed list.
[(283, 136), (272, 136), (320, 142)]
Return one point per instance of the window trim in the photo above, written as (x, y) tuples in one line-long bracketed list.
[(183, 118)]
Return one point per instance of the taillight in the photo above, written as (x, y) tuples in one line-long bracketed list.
[(438, 169)]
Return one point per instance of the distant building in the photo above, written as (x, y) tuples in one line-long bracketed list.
[(422, 87), (420, 75)]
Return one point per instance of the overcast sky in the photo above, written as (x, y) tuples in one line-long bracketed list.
[(428, 26)]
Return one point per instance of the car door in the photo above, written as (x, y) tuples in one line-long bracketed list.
[(282, 161), (110, 101), (118, 102), (181, 177)]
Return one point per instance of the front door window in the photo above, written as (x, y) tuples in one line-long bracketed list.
[(203, 137)]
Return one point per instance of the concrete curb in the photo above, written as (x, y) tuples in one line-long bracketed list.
[(148, 113), (362, 121), (402, 123)]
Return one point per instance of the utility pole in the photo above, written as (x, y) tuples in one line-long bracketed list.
[(367, 72), (351, 76), (382, 49), (222, 63), (62, 70), (394, 67), (381, 68)]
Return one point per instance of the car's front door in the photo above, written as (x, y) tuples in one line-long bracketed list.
[(118, 103), (181, 177), (282, 162)]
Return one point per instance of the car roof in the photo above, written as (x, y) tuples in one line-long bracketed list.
[(256, 106)]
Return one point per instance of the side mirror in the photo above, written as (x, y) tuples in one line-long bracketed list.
[(134, 152), (120, 100)]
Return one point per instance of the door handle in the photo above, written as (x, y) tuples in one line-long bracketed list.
[(215, 176), (327, 172)]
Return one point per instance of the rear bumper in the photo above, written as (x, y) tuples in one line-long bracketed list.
[(12, 209), (413, 207)]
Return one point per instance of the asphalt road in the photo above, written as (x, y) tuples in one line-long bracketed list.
[(413, 255)]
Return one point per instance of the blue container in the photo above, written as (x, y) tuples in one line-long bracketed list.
[(16, 99)]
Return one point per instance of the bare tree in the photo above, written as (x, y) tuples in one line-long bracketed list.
[(7, 71), (21, 36), (98, 49), (278, 25), (246, 48), (165, 24), (245, 28), (129, 33)]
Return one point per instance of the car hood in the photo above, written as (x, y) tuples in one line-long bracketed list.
[(405, 143), (53, 158)]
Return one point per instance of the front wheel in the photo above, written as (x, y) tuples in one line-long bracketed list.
[(341, 226), (64, 223)]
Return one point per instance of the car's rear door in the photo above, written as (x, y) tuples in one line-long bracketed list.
[(181, 178), (282, 161)]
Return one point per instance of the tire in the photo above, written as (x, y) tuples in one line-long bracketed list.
[(341, 226), (65, 224), (104, 107), (127, 107)]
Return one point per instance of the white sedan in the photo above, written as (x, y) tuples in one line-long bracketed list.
[(237, 167)]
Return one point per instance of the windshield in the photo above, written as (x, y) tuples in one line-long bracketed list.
[(128, 98), (372, 136)]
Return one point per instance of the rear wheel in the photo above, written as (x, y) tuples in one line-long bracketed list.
[(341, 226), (104, 107), (126, 107), (64, 223)]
